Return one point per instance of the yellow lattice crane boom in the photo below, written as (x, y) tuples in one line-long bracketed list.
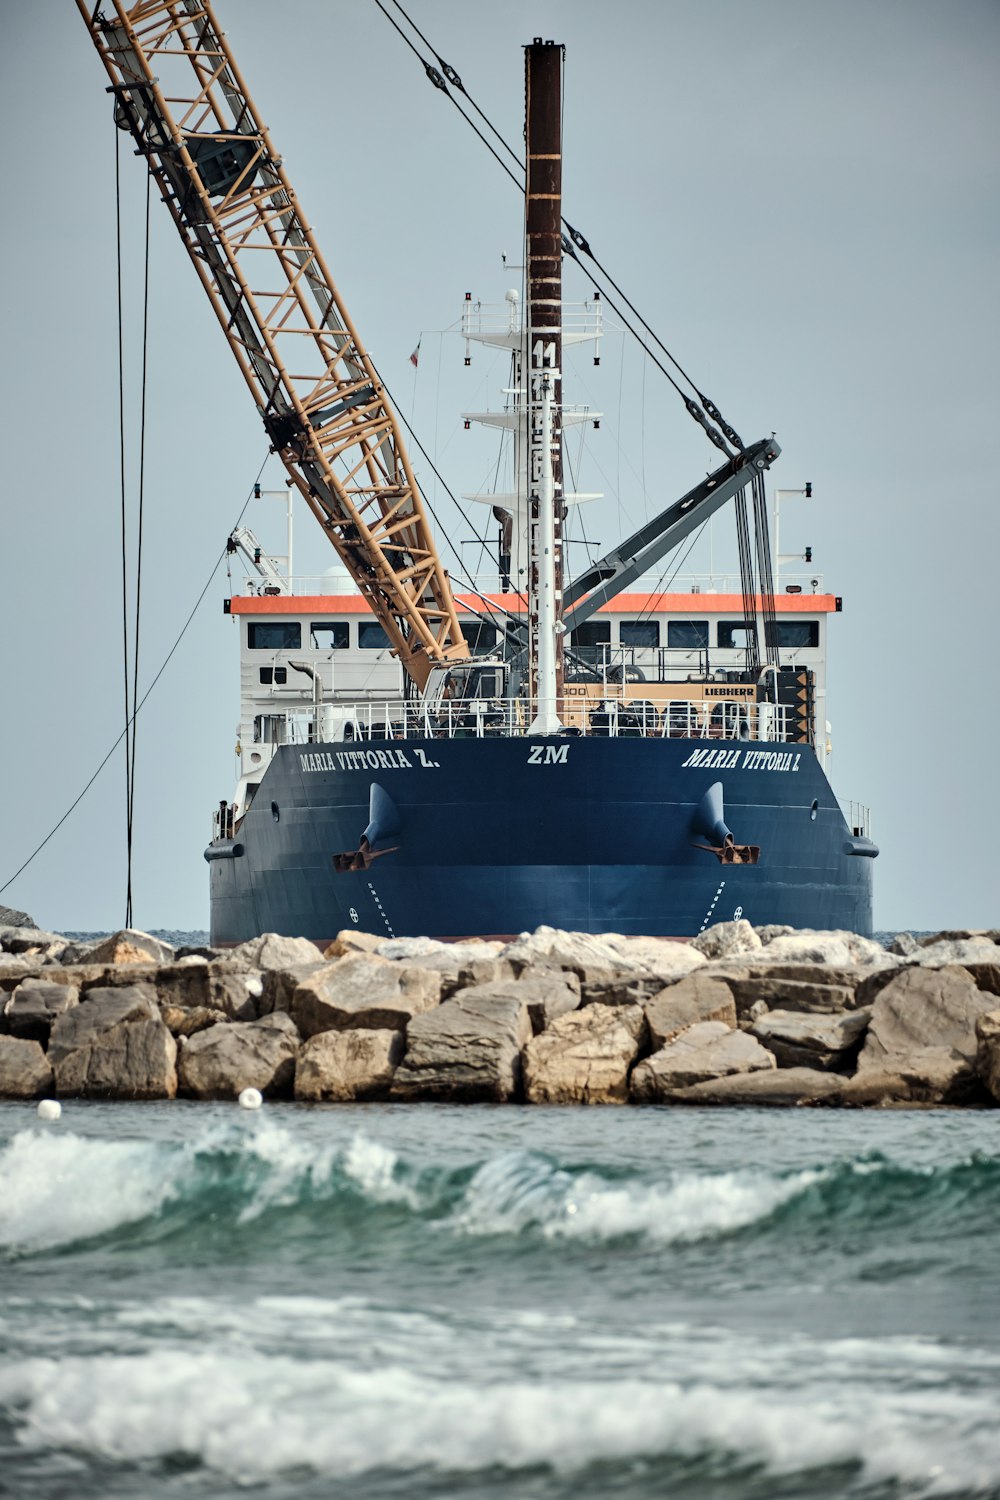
[(178, 90)]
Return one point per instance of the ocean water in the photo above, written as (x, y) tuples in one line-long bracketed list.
[(429, 1301)]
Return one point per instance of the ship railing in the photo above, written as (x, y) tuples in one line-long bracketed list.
[(485, 319), (859, 818), (488, 718)]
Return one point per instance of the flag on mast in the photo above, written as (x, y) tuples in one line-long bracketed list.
[(415, 356)]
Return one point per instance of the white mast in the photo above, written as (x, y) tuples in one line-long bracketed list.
[(546, 720)]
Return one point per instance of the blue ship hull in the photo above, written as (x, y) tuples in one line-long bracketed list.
[(481, 837)]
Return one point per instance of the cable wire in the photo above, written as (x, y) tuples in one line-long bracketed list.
[(129, 717), (704, 411)]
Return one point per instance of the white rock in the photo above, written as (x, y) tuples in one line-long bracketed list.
[(955, 951), (807, 946), (724, 938)]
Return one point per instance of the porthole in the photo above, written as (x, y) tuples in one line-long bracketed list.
[(276, 811), (813, 811)]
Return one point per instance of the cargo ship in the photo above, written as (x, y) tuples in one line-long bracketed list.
[(591, 752)]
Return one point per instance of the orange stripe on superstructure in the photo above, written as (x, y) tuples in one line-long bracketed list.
[(664, 604)]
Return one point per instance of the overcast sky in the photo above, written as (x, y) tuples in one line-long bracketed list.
[(802, 199)]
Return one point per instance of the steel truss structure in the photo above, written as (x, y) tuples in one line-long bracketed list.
[(179, 92)]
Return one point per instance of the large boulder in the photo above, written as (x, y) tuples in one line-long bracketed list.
[(80, 976), (927, 1079), (807, 946), (588, 955), (114, 1045), (24, 1069), (349, 940), (781, 993), (956, 950), (665, 958), (339, 1066), (273, 951), (131, 947), (710, 1049), (596, 958), (988, 1051), (808, 1040), (460, 965), (32, 942), (216, 985), (11, 917), (725, 938), (699, 997), (222, 1061), (273, 989), (15, 967), (585, 1056), (922, 1008), (548, 994), (363, 990), (435, 954), (923, 1029), (780, 1087), (34, 1005), (469, 1048)]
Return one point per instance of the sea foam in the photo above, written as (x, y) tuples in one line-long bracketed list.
[(56, 1189), (257, 1416), (518, 1192)]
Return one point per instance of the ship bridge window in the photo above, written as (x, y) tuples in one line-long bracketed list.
[(792, 633), (644, 633), (688, 635), (592, 641), (274, 635), (371, 636), (481, 638), (735, 635), (330, 635), (276, 675)]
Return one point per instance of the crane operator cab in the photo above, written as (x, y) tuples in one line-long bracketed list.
[(466, 698), (481, 681)]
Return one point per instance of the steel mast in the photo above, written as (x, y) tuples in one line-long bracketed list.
[(543, 370), (178, 90)]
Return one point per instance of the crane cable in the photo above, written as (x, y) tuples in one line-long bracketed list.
[(129, 727), (496, 611), (131, 691), (704, 411), (130, 658)]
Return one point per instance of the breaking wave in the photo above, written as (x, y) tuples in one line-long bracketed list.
[(259, 1415), (260, 1184)]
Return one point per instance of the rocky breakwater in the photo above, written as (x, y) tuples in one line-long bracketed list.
[(738, 1016)]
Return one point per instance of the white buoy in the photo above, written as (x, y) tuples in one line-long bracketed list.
[(49, 1109), (251, 1099)]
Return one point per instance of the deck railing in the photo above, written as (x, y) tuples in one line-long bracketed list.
[(859, 818), (719, 719)]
